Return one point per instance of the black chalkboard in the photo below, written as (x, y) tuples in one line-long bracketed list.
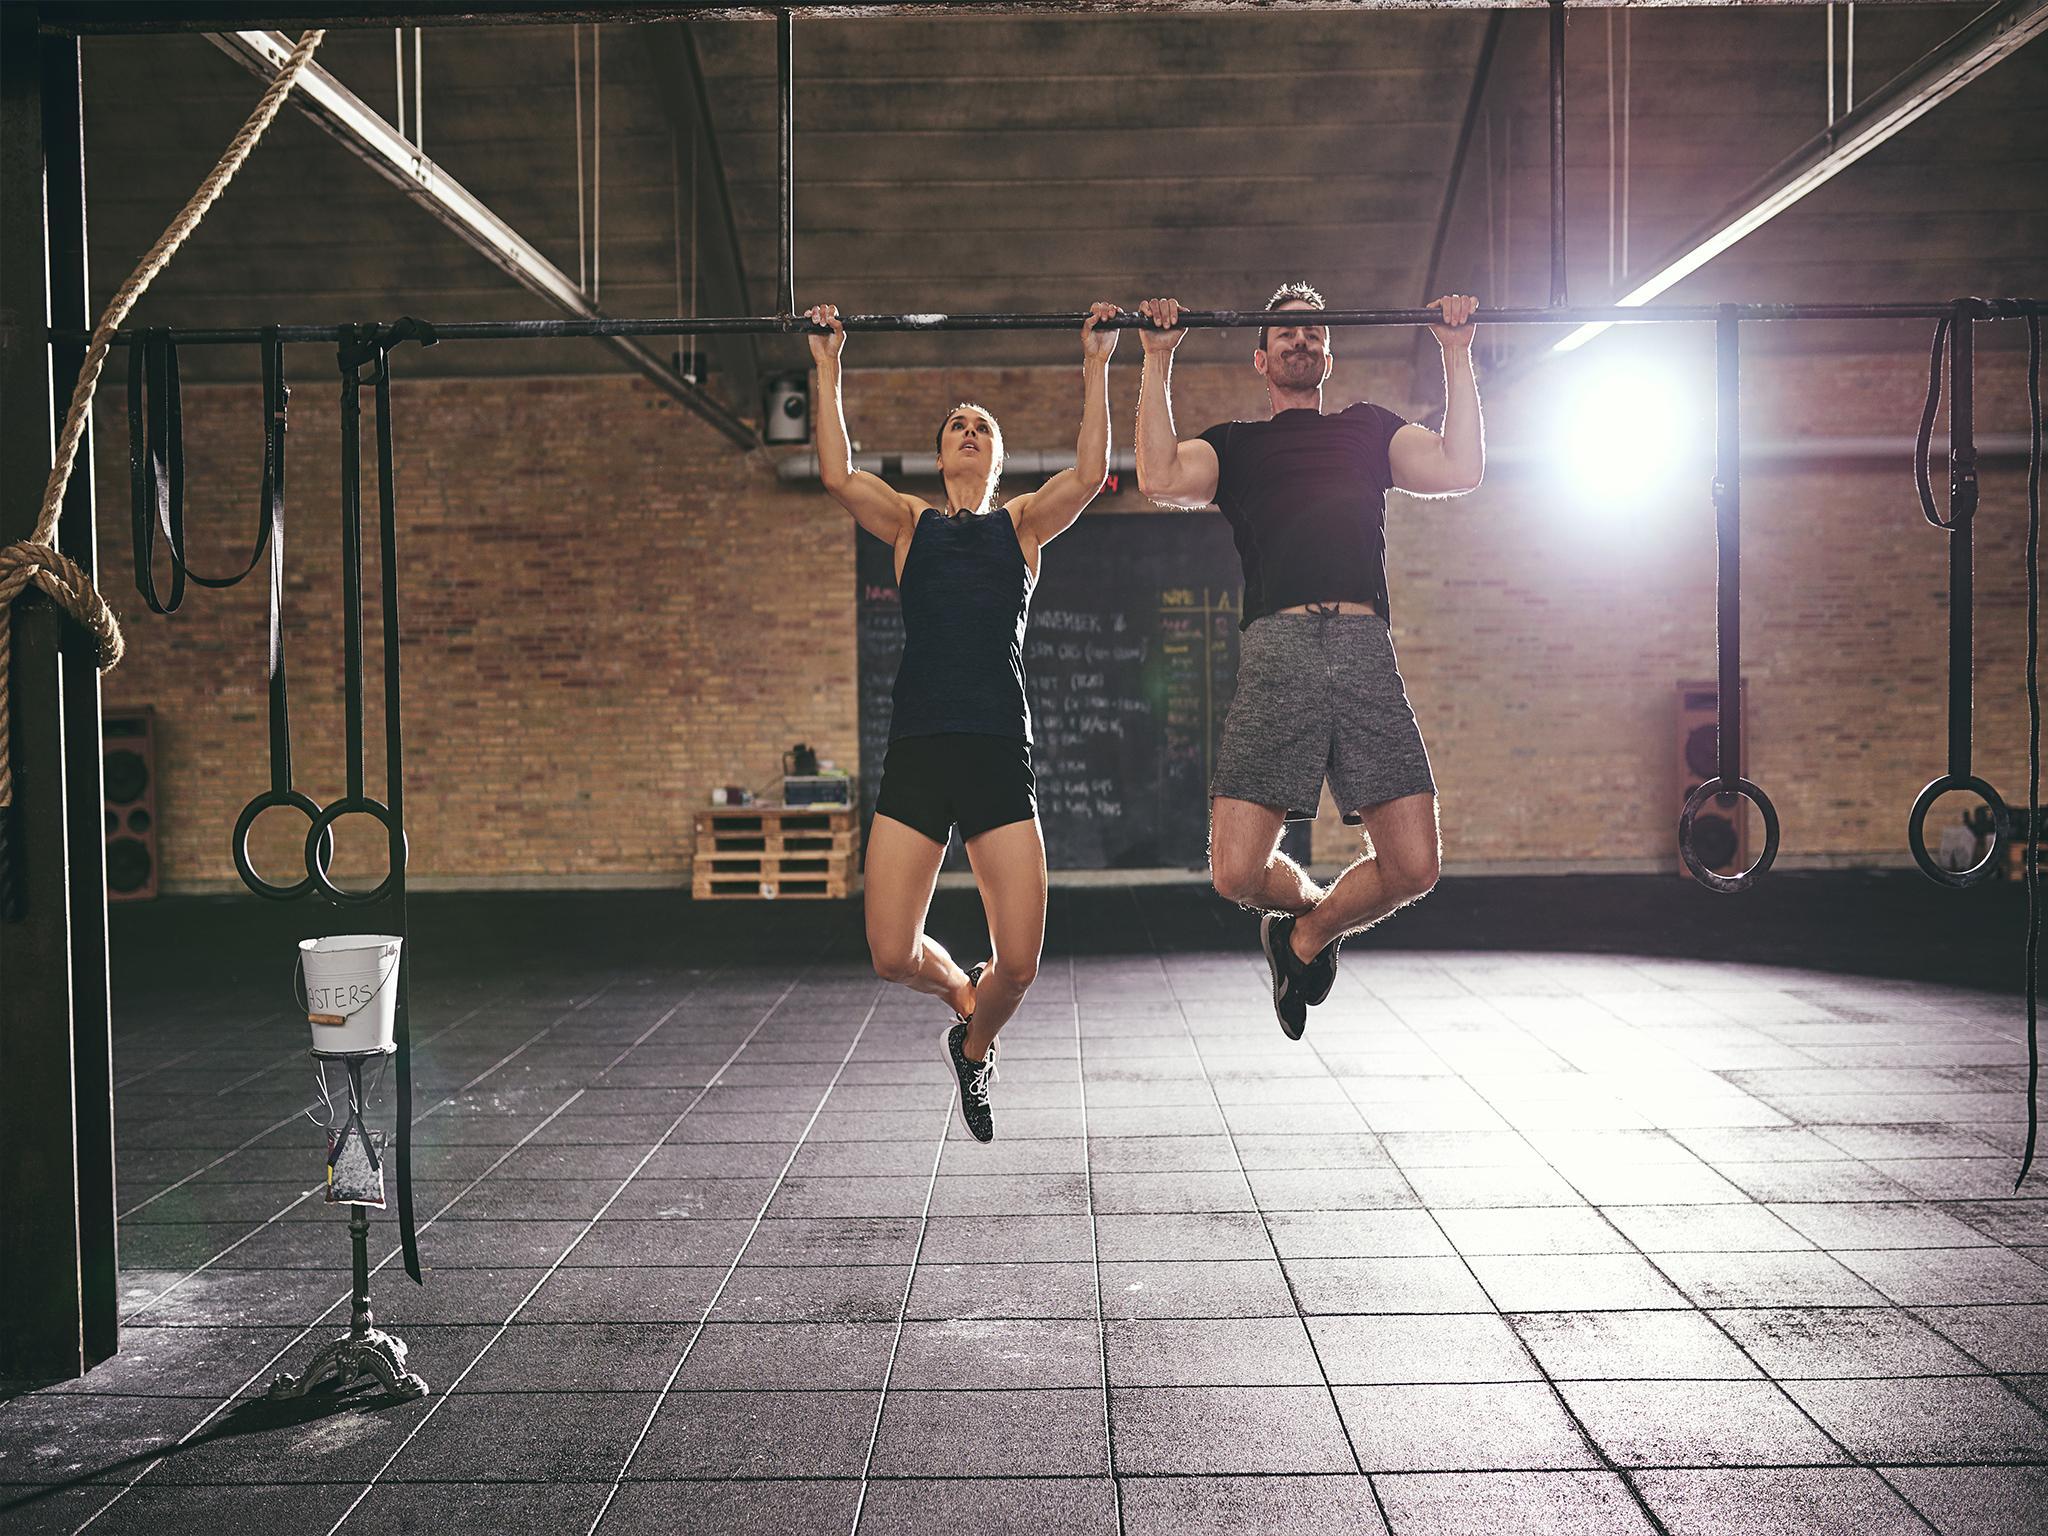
[(1130, 658)]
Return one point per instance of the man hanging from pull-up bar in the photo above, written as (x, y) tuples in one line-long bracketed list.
[(1318, 694)]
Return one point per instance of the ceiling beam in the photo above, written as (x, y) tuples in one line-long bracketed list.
[(1993, 36), (371, 139), (117, 17), (720, 270), (1475, 98)]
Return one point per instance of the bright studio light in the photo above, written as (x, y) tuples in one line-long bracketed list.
[(1624, 433)]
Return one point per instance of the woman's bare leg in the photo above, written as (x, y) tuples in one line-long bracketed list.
[(1009, 867), (902, 872)]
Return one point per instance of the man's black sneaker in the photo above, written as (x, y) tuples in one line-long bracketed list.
[(974, 1078), (1317, 976), (1290, 1004)]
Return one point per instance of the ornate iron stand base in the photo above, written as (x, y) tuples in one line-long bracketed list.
[(366, 1350)]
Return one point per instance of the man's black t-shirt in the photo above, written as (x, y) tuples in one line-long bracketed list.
[(1306, 496)]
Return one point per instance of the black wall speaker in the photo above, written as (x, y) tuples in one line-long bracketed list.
[(1721, 830), (128, 766)]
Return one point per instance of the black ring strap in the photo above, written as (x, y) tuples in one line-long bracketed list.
[(1728, 779), (280, 794), (1958, 333)]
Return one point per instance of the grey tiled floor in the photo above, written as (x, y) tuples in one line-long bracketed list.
[(1510, 1242)]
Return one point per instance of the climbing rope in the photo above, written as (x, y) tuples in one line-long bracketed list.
[(36, 560)]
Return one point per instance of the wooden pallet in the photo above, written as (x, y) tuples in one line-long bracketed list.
[(774, 842), (776, 852), (785, 819), (707, 885), (775, 866)]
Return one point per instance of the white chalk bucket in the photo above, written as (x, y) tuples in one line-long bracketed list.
[(348, 984)]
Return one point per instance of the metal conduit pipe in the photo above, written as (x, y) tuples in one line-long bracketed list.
[(801, 468)]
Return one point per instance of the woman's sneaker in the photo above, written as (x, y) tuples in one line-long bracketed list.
[(974, 973), (973, 1078)]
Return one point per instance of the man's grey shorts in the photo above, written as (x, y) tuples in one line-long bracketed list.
[(1318, 696)]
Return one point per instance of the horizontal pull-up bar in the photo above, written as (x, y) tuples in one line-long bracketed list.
[(1200, 320)]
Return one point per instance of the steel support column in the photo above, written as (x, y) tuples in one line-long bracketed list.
[(785, 164), (720, 266), (1557, 205), (58, 1291)]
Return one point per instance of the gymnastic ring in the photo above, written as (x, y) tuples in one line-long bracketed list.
[(1698, 798), (246, 822), (349, 805), (1916, 830)]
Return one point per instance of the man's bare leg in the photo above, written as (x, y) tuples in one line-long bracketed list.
[(1407, 853), (901, 874), (1245, 861)]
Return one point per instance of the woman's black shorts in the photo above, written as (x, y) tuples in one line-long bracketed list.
[(933, 783)]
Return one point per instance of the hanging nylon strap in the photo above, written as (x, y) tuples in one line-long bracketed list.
[(2034, 827), (1728, 783), (156, 472), (394, 789), (1956, 335), (276, 399), (156, 465)]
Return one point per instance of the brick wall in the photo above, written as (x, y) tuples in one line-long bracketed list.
[(607, 610)]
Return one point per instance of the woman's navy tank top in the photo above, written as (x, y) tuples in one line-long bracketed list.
[(966, 594)]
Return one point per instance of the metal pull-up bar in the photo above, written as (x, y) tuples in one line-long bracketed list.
[(1190, 319)]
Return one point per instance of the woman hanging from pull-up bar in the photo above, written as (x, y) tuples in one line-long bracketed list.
[(960, 726)]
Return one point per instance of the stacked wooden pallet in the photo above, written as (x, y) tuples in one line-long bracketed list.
[(771, 852)]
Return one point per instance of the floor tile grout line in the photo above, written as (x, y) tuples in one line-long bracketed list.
[(1095, 1243), (306, 1332), (902, 1319), (442, 1103), (446, 1029), (1586, 1437), (1887, 1304), (448, 1392), (1870, 1163), (633, 1451), (162, 1066), (1990, 1241), (1901, 1495), (384, 1262), (33, 1491), (1265, 1225), (1155, 1386), (1693, 1306), (267, 1131), (1914, 1311), (1665, 1276)]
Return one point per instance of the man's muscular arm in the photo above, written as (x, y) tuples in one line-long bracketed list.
[(1426, 463), (1174, 473)]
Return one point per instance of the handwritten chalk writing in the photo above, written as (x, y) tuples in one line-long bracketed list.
[(1066, 621), (1130, 659)]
